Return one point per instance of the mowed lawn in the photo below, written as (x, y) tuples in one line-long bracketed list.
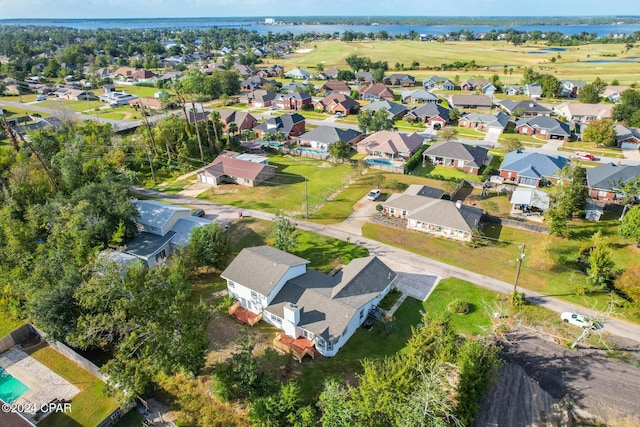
[(90, 406), (550, 266), (297, 180), (489, 56)]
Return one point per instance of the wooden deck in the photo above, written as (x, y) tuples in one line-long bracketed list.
[(244, 316), (299, 347)]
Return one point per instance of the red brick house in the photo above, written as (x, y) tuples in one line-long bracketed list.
[(242, 119), (337, 102), (544, 127), (292, 101), (376, 92)]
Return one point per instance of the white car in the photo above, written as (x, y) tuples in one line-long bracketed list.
[(579, 320), (374, 194)]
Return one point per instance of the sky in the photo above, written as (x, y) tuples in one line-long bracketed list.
[(230, 8)]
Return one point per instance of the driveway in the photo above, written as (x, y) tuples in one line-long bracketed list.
[(418, 286), (631, 154), (195, 189), (363, 210)]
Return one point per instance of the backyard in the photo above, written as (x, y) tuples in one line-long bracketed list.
[(90, 406)]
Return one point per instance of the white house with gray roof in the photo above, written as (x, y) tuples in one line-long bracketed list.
[(322, 137), (324, 309), (163, 228), (432, 215)]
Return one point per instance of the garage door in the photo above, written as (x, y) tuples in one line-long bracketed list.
[(629, 146), (207, 179)]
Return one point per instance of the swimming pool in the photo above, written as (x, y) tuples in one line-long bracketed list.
[(10, 388), (310, 150), (380, 162)]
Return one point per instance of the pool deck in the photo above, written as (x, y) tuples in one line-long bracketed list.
[(44, 385)]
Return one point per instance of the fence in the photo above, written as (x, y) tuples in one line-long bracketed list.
[(18, 336), (515, 224)]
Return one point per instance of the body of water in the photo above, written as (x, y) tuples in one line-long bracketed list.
[(261, 28), (10, 388)]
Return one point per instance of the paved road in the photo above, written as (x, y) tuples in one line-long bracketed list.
[(398, 259)]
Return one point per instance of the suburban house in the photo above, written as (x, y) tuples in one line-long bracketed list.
[(571, 88), (399, 79), (470, 101), (163, 228), (394, 110), (294, 87), (484, 122), (584, 113), (331, 73), (431, 215), (376, 92), (124, 71), (259, 98), (420, 96), (335, 86), (117, 98), (391, 144), (255, 82), (317, 312), (74, 94), (525, 108), (437, 82), (148, 102), (527, 199), (613, 93), (467, 158), (337, 102), (297, 73), (142, 76), (243, 70), (323, 136), (292, 101), (291, 125), (194, 116), (434, 115), (545, 127), (627, 138), (605, 181), (271, 71), (531, 169), (481, 85), (231, 167), (533, 91), (364, 76), (242, 119)]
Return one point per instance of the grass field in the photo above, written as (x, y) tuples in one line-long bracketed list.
[(550, 267), (90, 406), (8, 325), (296, 179), (490, 57)]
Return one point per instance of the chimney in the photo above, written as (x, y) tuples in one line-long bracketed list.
[(291, 313), (458, 204)]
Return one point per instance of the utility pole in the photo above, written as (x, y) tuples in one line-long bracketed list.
[(153, 175), (519, 260), (306, 195)]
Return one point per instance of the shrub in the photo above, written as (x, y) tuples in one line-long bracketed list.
[(458, 307), (415, 160)]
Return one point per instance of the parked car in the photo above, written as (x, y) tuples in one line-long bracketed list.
[(198, 213), (338, 115), (374, 194), (585, 156), (579, 320), (41, 98)]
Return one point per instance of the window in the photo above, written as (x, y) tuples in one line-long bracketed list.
[(246, 181), (329, 345), (392, 210), (276, 319), (254, 295), (231, 284), (362, 313), (404, 213)]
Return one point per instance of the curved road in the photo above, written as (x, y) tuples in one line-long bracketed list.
[(397, 259)]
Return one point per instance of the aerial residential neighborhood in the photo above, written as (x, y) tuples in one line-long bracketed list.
[(292, 221)]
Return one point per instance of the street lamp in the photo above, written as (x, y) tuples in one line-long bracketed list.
[(519, 260)]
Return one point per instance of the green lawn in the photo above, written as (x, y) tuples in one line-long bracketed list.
[(550, 266), (287, 191), (8, 325), (141, 91), (444, 172), (76, 106), (590, 147), (90, 406), (23, 111)]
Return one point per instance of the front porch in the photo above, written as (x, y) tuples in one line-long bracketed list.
[(298, 348), (244, 316)]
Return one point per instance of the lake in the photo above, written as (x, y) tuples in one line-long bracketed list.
[(261, 28)]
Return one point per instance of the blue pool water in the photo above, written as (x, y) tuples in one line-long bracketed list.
[(10, 388), (380, 162), (272, 143), (310, 150)]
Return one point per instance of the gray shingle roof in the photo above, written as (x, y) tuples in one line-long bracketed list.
[(430, 110), (470, 100), (445, 213), (329, 135), (610, 176), (392, 108), (551, 125), (529, 107), (328, 303), (423, 190), (473, 156), (145, 244), (533, 164), (156, 214), (261, 267), (497, 120)]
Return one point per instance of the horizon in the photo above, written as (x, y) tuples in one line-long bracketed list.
[(167, 9)]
